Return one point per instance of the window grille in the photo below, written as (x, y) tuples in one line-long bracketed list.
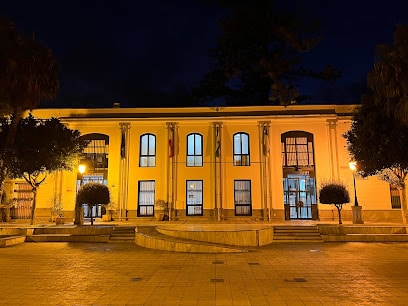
[(395, 197), (146, 198), (242, 198), (194, 198)]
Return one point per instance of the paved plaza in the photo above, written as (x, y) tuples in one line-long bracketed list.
[(276, 274)]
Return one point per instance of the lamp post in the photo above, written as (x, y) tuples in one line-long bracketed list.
[(79, 210), (353, 167), (81, 170), (356, 209)]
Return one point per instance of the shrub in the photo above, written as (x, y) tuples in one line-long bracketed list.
[(334, 193), (92, 194)]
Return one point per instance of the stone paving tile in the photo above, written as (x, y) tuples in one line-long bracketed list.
[(277, 274)]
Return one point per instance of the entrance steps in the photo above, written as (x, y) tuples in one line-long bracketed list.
[(69, 234), (123, 234), (150, 237), (300, 233)]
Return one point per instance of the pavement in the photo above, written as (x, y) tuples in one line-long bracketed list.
[(277, 274)]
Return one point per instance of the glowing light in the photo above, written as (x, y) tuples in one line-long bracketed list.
[(353, 166), (81, 168)]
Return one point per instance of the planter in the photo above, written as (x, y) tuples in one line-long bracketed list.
[(107, 217), (79, 215), (159, 216), (59, 220)]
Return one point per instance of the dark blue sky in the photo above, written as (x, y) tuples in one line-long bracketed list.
[(142, 52)]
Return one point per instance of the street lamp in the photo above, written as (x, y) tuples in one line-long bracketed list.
[(353, 167), (81, 170)]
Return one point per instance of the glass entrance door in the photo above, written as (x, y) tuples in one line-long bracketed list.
[(299, 196)]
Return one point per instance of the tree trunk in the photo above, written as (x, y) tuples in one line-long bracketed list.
[(339, 211), (33, 205), (90, 207), (404, 203)]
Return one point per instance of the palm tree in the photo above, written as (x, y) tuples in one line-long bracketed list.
[(28, 74), (389, 78)]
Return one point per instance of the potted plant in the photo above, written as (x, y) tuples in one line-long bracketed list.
[(161, 210), (56, 213), (109, 212)]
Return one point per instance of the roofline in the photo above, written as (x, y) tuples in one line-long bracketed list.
[(197, 112)]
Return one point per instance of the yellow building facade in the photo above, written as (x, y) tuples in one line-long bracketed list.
[(216, 163)]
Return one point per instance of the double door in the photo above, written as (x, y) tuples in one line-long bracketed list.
[(300, 196)]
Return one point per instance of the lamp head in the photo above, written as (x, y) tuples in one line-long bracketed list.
[(82, 168)]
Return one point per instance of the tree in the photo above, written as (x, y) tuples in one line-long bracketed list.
[(40, 147), (28, 74), (336, 194), (258, 57), (92, 194), (379, 144), (388, 79)]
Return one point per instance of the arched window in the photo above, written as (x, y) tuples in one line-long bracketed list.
[(147, 150), (297, 149), (241, 149), (194, 150)]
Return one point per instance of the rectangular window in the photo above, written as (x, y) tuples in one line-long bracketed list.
[(395, 197), (194, 198), (242, 198), (145, 207)]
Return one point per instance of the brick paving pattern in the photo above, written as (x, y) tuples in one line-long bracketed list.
[(276, 274)]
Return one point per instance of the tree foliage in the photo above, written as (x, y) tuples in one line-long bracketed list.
[(334, 193), (258, 57), (92, 194), (379, 145), (41, 143), (388, 79), (28, 69), (28, 74), (40, 147), (377, 142)]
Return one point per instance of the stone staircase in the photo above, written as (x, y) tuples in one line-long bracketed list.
[(123, 234), (301, 233), (69, 234)]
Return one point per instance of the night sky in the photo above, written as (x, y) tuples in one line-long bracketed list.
[(151, 53)]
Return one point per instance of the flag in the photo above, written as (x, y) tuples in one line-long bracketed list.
[(217, 142), (218, 148), (171, 148), (123, 146), (265, 141)]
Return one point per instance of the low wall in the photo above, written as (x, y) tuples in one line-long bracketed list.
[(248, 237), (362, 233)]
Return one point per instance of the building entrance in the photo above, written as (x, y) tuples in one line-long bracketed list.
[(299, 196)]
